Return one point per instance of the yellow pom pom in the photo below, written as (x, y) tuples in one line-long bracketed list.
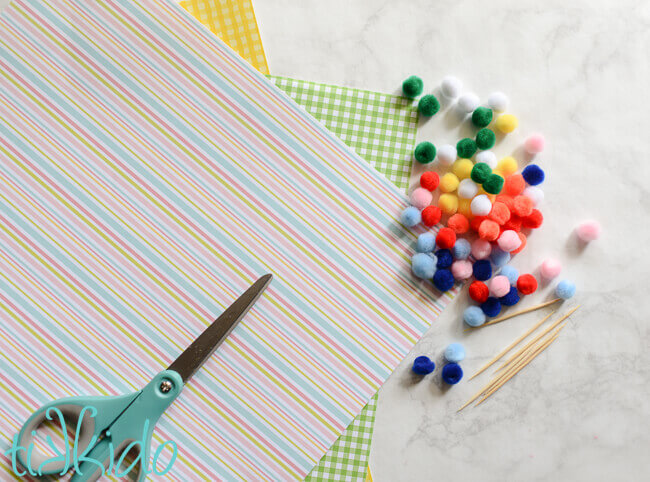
[(507, 123), (506, 166), (448, 203), (449, 182), (462, 168), (464, 208)]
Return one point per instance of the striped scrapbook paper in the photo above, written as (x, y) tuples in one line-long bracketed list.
[(147, 176)]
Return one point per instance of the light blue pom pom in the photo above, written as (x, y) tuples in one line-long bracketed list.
[(423, 265), (511, 273), (461, 249), (565, 289), (455, 352), (499, 258), (426, 243), (411, 217), (474, 316)]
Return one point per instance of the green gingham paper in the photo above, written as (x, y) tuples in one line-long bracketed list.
[(380, 128)]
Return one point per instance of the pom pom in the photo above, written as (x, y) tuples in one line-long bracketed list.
[(500, 213), (451, 87), (468, 103), (527, 284), (452, 373), (507, 165), (465, 207), (445, 259), (514, 184), (429, 180), (479, 291), (412, 87), (523, 239), (461, 249), (480, 172), (448, 203), (565, 289), (507, 200), (534, 144), (507, 123), (426, 243), (588, 231), (428, 105), (449, 182), (509, 241), (458, 223), (423, 265), (498, 101), (431, 216), (535, 194), (446, 238), (533, 174), (487, 157), (511, 273), (511, 298), (461, 269), (489, 230), (522, 206), (455, 352), (467, 189), (475, 223), (481, 117), (474, 316), (421, 198), (499, 257), (482, 270), (491, 307), (466, 148), (447, 154), (411, 217), (499, 286), (423, 365), (481, 249), (485, 139), (494, 184), (462, 168), (534, 220), (512, 224), (443, 280), (425, 152), (481, 205), (550, 268)]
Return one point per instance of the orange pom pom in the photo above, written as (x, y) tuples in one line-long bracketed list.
[(522, 236), (458, 223), (522, 206), (507, 200), (534, 220), (514, 184), (489, 230), (476, 222), (431, 215), (500, 213)]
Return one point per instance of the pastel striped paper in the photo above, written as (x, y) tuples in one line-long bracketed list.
[(147, 176)]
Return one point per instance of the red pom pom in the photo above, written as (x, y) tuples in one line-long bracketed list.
[(522, 236), (522, 206), (475, 223), (489, 230), (514, 184), (500, 213), (429, 180), (527, 284), (431, 215), (507, 200), (534, 220), (446, 238), (458, 223), (479, 291), (513, 224)]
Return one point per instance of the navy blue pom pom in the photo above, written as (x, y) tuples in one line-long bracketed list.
[(443, 280), (533, 174), (444, 258), (423, 365), (491, 307), (511, 299), (452, 373), (482, 270)]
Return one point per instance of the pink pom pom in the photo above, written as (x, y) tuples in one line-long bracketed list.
[(588, 231), (509, 241), (534, 144), (421, 198), (499, 286), (550, 268), (461, 269), (481, 249)]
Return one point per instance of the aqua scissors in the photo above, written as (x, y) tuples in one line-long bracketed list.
[(121, 420)]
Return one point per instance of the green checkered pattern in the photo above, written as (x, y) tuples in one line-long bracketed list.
[(380, 128), (347, 459)]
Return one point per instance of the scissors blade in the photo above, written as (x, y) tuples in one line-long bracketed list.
[(205, 345)]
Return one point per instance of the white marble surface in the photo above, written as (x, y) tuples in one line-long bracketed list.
[(578, 72)]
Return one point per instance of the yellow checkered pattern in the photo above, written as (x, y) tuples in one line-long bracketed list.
[(233, 21)]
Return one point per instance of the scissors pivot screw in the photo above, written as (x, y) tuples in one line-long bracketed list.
[(166, 386)]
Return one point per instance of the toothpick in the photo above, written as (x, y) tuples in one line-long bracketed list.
[(516, 313)]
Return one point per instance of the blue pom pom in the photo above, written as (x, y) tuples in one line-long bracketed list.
[(423, 265), (499, 258), (426, 243), (565, 289), (474, 316), (511, 299), (461, 249), (411, 217), (444, 258), (455, 352), (511, 273), (533, 174), (482, 270), (452, 373), (491, 307), (423, 365), (443, 280)]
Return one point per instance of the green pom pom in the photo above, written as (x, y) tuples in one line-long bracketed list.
[(480, 172), (466, 148), (493, 184), (412, 87), (428, 105), (485, 139), (482, 117), (425, 152)]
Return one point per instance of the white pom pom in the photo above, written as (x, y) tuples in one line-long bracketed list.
[(467, 189), (498, 101), (535, 194), (451, 87), (487, 157), (468, 102), (481, 205), (447, 154)]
